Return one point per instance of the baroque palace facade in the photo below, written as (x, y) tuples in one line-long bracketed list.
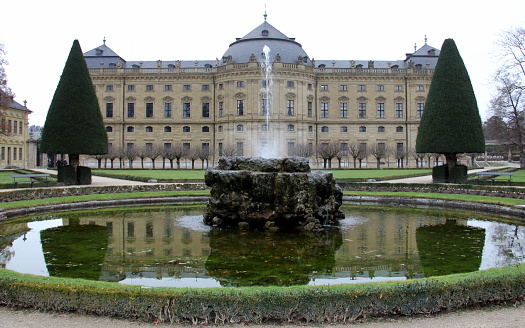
[(14, 144), (220, 105)]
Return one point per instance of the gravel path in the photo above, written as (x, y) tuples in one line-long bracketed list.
[(494, 318)]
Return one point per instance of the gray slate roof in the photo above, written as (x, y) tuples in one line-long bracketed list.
[(252, 43)]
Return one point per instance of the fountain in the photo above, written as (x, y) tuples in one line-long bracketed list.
[(271, 194), (267, 149)]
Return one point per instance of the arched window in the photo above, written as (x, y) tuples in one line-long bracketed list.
[(324, 129), (186, 129), (167, 129), (109, 129), (205, 128), (130, 129), (380, 129), (362, 129), (149, 129), (240, 127), (290, 127), (264, 127), (399, 129), (344, 129), (220, 128)]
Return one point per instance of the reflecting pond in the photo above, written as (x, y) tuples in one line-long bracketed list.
[(171, 247)]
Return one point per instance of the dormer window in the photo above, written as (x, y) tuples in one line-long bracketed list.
[(432, 52), (418, 66), (264, 33), (208, 65), (135, 66), (169, 66), (321, 66)]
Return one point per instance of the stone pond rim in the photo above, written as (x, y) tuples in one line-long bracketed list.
[(271, 194)]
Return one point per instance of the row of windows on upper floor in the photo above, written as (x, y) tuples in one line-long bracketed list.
[(264, 127), (7, 154), (264, 83), (11, 126), (290, 109)]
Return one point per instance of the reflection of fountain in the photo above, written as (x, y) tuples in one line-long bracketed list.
[(266, 259), (271, 194), (267, 149)]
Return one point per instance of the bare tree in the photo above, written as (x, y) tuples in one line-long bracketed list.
[(6, 95), (130, 153), (142, 154), (204, 155), (327, 151), (379, 151), (303, 150), (509, 100), (99, 159), (193, 155), (229, 150), (400, 155), (154, 152), (113, 154)]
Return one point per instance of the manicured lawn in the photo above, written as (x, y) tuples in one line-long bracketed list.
[(199, 174), (154, 174)]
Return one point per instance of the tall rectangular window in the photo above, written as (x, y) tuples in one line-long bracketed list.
[(221, 109), (149, 109), (220, 149), (109, 109), (291, 148), (310, 108), (205, 109), (186, 110), (240, 148), (362, 110), (324, 109), (264, 106), (289, 107), (15, 127), (419, 109), (2, 154), (344, 149), (186, 147), (20, 154), (240, 107), (381, 110), (14, 153), (399, 110), (131, 229), (20, 128), (343, 109), (131, 110), (167, 110)]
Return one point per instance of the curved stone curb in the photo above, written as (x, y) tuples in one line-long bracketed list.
[(103, 203), (362, 200), (519, 211)]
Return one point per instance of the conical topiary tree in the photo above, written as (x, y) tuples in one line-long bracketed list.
[(450, 124), (74, 123)]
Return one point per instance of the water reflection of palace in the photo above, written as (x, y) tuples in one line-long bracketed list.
[(382, 243), (152, 244), (155, 245)]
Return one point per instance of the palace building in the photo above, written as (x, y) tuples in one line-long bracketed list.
[(13, 134), (220, 106)]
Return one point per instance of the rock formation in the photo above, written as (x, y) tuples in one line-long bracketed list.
[(271, 194)]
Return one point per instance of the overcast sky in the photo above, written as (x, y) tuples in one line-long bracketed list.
[(38, 34)]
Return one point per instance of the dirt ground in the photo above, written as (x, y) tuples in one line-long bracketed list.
[(497, 317)]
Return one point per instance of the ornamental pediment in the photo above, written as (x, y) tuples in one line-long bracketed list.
[(399, 99), (168, 99), (343, 99), (205, 99), (109, 98), (362, 98), (186, 99), (149, 99), (381, 98), (131, 99), (290, 96), (420, 98), (324, 99), (240, 95)]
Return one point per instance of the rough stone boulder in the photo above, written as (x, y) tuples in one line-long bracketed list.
[(271, 194)]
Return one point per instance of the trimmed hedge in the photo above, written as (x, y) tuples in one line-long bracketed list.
[(329, 304)]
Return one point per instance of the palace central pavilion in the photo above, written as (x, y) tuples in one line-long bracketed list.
[(219, 106)]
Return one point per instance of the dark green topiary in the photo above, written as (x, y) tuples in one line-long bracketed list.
[(450, 124), (74, 123)]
